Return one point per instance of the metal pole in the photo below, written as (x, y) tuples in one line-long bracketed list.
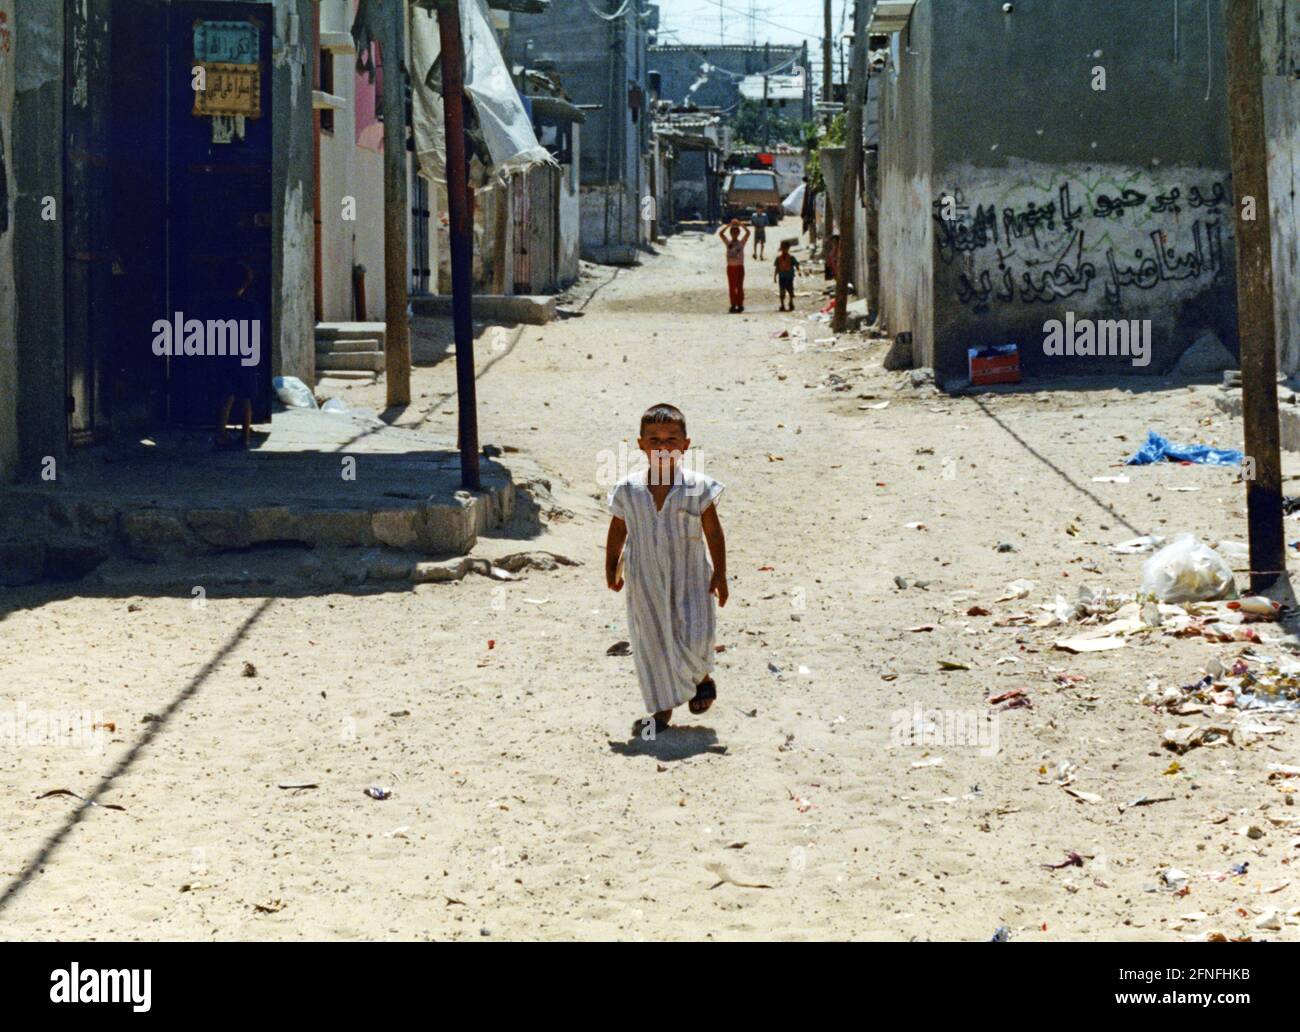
[(397, 340), (462, 245), (1255, 320), (853, 101)]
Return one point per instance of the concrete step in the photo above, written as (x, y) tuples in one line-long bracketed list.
[(337, 378), (361, 360), (349, 330), (342, 345)]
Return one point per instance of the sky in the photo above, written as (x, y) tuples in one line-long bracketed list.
[(775, 21)]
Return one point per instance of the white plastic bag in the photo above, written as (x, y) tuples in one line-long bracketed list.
[(1187, 570), (292, 392)]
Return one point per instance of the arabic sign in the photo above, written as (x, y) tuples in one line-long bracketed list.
[(228, 42), (229, 89)]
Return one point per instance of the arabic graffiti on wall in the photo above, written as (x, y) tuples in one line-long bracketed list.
[(1090, 236)]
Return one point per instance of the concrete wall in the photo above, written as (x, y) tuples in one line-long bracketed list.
[(36, 142), (570, 215), (293, 185), (906, 227), (1281, 58), (596, 60), (8, 306), (1046, 195)]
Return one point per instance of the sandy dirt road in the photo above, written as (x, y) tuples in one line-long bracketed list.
[(794, 809)]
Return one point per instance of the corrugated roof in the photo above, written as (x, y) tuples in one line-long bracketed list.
[(891, 15)]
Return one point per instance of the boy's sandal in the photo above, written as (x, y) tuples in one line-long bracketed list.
[(705, 693), (640, 724)]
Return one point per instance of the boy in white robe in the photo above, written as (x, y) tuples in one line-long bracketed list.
[(665, 516)]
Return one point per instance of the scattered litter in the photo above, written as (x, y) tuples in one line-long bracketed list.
[(1158, 448), (378, 792), (619, 648), (915, 526), (1121, 479), (931, 761), (249, 670), (953, 664), (297, 785), (1083, 797), (398, 832), (1173, 878), (537, 601), (1072, 859), (1003, 934)]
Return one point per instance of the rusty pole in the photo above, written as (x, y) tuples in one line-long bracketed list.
[(462, 245), (397, 340), (1256, 329)]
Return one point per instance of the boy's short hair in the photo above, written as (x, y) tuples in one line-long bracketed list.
[(663, 413)]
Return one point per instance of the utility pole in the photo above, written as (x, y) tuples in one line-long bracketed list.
[(826, 52), (854, 96), (767, 64), (397, 339), (1256, 329), (462, 245)]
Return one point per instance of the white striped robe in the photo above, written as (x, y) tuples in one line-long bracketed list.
[(666, 576)]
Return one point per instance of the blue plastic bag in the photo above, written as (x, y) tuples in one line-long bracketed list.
[(1158, 448)]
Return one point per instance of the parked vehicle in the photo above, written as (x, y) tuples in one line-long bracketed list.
[(749, 189)]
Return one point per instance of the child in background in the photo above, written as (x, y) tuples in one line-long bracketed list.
[(759, 222), (785, 265), (735, 245), (664, 516)]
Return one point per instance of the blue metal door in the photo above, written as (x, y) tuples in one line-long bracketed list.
[(219, 180)]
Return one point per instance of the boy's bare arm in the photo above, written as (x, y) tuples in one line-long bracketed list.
[(717, 543), (613, 549)]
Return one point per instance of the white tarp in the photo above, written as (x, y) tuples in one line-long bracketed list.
[(794, 203), (504, 123)]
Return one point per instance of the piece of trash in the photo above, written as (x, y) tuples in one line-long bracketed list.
[(1085, 644), (978, 611), (1083, 797), (492, 643), (900, 583), (1003, 934), (921, 627), (1145, 801), (1072, 859), (1187, 570), (88, 802), (877, 406), (1138, 546), (1158, 449), (497, 573), (297, 784), (932, 761), (378, 792), (107, 725), (398, 832), (1184, 739), (1015, 590), (272, 907), (1121, 479), (1174, 878), (915, 526), (249, 670), (953, 664), (537, 601), (620, 648)]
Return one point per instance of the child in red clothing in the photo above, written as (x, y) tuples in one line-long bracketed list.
[(735, 245)]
